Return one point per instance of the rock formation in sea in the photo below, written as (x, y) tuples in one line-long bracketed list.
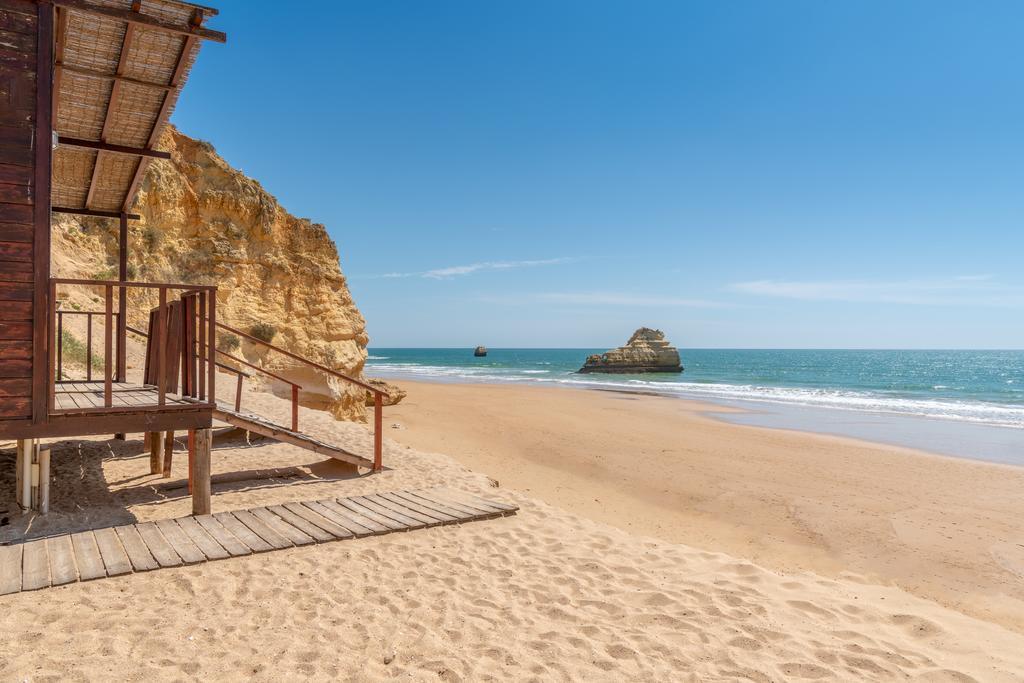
[(646, 351), (480, 351), (205, 222)]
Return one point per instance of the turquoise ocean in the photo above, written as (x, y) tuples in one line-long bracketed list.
[(969, 387)]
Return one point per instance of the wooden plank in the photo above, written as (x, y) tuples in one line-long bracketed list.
[(138, 552), (15, 213), (441, 516), (62, 560), (305, 526), (179, 540), (242, 532), (464, 511), (16, 291), (15, 367), (371, 514), (15, 406), (451, 511), (15, 350), (11, 311), (401, 507), (282, 527), (115, 559), (16, 232), (15, 21), (10, 568), (15, 330), (35, 566), (87, 556), (357, 529), (20, 194), (470, 499), (15, 251), (336, 530), (15, 387), (162, 551), (355, 518), (262, 530), (225, 538), (384, 511), (203, 539)]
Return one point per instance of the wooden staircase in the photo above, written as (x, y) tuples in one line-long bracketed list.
[(264, 427)]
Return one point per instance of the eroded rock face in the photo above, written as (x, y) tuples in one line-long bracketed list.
[(204, 222), (646, 351), (392, 393)]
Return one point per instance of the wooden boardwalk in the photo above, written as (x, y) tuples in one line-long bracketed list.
[(189, 540)]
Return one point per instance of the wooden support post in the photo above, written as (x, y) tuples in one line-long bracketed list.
[(44, 481), (168, 453), (155, 466), (238, 393), (34, 477), (295, 408), (88, 346), (201, 473), (108, 342), (60, 345), (211, 380), (19, 487), (161, 348), (191, 456), (378, 434), (202, 347), (122, 300)]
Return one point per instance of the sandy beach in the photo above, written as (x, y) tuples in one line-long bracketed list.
[(946, 529), (575, 590)]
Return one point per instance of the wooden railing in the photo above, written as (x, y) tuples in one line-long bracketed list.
[(195, 366), (61, 375), (378, 395), (227, 368)]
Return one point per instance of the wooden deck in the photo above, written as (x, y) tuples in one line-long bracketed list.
[(82, 396), (142, 547)]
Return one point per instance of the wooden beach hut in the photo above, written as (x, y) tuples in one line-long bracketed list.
[(86, 87)]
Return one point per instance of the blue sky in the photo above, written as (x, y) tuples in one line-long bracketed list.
[(558, 173)]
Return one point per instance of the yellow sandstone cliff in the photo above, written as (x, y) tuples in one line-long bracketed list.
[(204, 222)]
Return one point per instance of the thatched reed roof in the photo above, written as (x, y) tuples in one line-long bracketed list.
[(119, 67)]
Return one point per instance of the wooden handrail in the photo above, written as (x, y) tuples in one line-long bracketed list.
[(258, 369), (128, 283), (318, 366), (378, 395)]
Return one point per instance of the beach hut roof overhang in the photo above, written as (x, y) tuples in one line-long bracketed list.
[(119, 66)]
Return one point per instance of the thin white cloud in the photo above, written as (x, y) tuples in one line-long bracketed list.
[(965, 290), (600, 299), (456, 271), (613, 299)]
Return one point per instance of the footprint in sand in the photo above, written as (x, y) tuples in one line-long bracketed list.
[(915, 626), (808, 671)]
